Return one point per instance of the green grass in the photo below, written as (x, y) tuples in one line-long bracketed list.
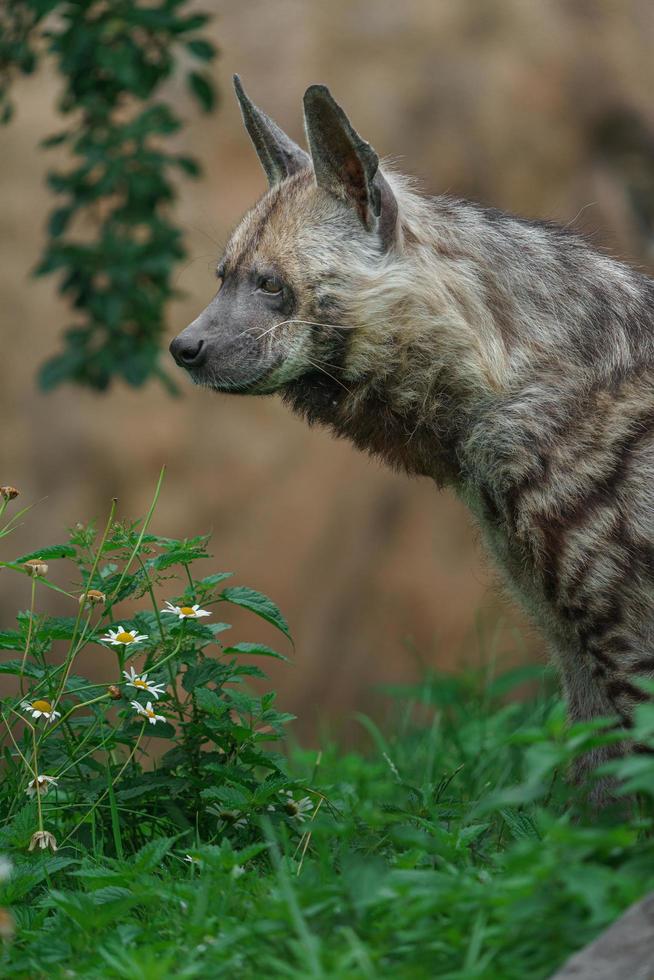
[(448, 845), (422, 861)]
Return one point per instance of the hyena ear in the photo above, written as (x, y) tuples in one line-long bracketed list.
[(279, 155), (347, 166)]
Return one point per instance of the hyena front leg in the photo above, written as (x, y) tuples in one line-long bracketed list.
[(587, 694)]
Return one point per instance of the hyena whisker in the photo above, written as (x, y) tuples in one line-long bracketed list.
[(310, 323)]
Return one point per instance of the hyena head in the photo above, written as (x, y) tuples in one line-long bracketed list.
[(282, 310)]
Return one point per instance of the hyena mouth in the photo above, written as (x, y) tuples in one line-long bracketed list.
[(259, 382)]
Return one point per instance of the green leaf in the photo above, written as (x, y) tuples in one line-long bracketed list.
[(257, 603), (58, 221), (14, 667), (48, 553), (210, 702), (203, 50), (11, 640), (254, 650), (207, 671), (210, 580), (202, 89)]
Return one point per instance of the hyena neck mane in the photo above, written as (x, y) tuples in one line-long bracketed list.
[(475, 309)]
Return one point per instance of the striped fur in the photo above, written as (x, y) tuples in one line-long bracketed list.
[(506, 359)]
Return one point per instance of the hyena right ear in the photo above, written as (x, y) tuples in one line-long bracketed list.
[(279, 155), (348, 167)]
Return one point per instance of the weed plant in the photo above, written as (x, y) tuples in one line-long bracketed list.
[(151, 830)]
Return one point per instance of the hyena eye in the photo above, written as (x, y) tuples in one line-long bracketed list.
[(271, 285)]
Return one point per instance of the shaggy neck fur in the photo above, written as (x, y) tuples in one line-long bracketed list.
[(472, 307)]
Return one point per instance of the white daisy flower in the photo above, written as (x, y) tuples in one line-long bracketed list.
[(192, 860), (40, 785), (141, 682), (147, 712), (295, 809), (232, 817), (40, 708), (120, 637), (185, 612)]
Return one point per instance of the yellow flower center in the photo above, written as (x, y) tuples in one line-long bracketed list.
[(42, 706), (187, 610), (150, 713), (125, 637), (139, 683)]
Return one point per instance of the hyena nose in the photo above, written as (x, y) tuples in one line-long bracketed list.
[(188, 353)]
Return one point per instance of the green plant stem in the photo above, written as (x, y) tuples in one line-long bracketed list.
[(35, 770), (169, 656), (76, 707), (190, 578), (171, 676), (29, 638), (137, 547), (73, 650), (44, 581), (112, 784), (148, 585)]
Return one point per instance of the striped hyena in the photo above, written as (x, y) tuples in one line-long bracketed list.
[(505, 358)]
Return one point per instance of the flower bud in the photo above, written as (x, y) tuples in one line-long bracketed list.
[(8, 492), (93, 596), (114, 692), (35, 567)]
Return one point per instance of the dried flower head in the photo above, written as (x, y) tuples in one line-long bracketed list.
[(43, 839), (92, 596), (114, 692), (36, 566), (9, 493), (40, 785)]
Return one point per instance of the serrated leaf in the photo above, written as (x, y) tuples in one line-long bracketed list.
[(257, 603), (210, 702), (203, 673), (28, 669), (254, 650), (48, 553), (210, 580), (11, 640)]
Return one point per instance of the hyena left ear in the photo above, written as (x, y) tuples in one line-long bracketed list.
[(279, 155), (347, 166)]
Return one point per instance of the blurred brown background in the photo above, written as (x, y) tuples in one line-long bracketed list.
[(545, 108)]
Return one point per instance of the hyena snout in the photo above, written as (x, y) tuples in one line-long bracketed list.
[(224, 349), (188, 351)]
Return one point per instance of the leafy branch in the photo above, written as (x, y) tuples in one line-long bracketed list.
[(111, 239)]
